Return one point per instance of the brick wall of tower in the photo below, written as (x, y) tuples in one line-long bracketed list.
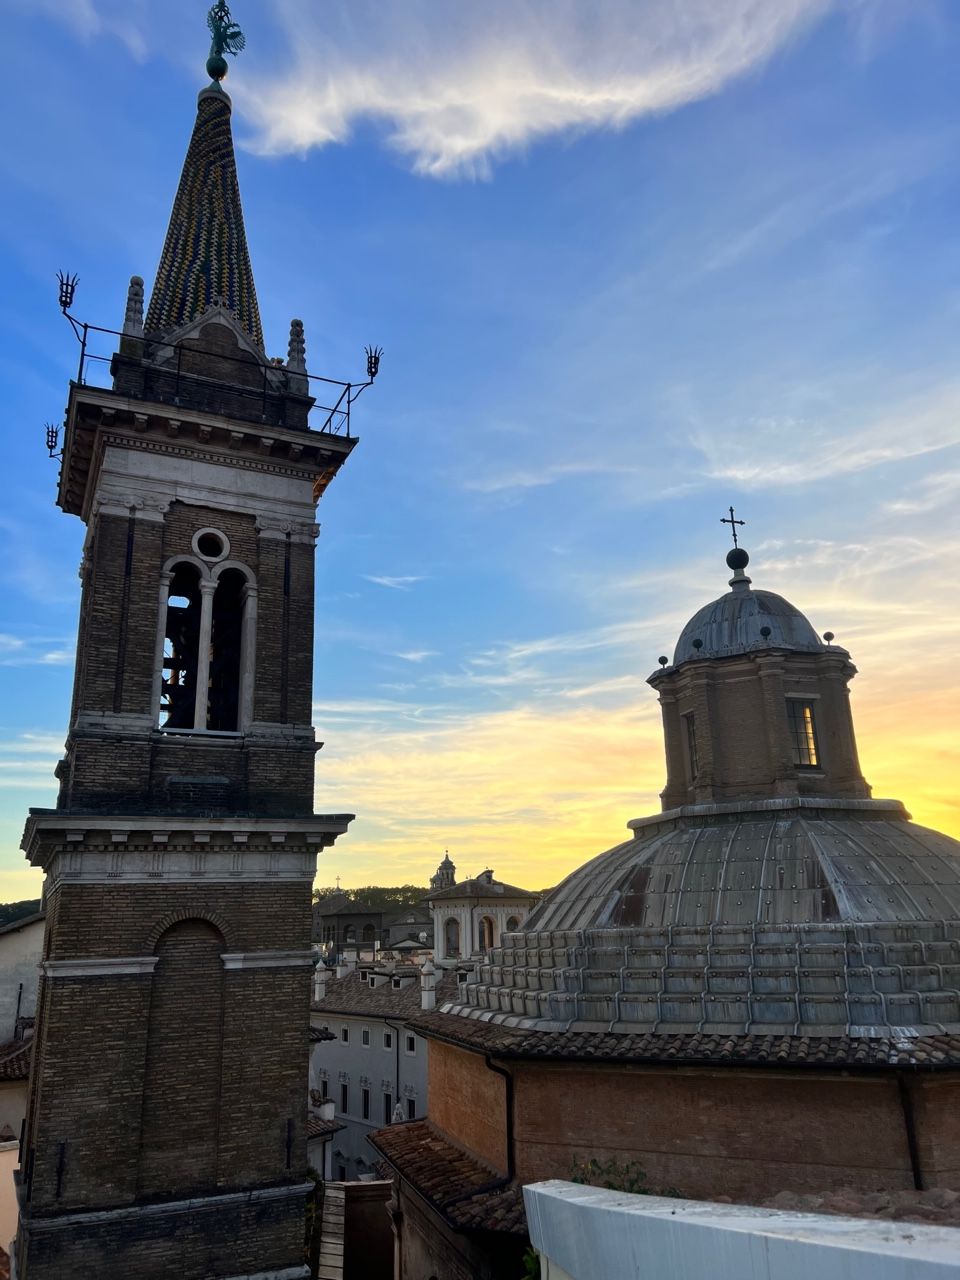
[(117, 768), (102, 1133)]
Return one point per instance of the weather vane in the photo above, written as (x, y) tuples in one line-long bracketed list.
[(733, 525), (227, 38)]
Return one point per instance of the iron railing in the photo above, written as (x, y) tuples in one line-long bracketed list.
[(333, 399)]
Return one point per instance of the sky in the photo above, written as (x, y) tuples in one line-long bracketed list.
[(629, 264)]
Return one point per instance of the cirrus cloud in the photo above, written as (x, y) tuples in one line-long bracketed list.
[(457, 86)]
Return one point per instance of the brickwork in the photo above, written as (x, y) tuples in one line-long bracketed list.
[(166, 1129), (468, 1102), (195, 1243), (737, 706), (704, 1133)]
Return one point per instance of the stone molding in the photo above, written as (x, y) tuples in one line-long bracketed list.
[(306, 531), (288, 1273), (98, 849), (267, 959), (203, 1204), (99, 967)]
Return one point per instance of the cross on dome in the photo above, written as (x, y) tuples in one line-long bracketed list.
[(733, 525)]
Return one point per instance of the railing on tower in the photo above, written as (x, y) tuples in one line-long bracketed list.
[(267, 390)]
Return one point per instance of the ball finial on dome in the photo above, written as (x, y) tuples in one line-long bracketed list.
[(737, 559)]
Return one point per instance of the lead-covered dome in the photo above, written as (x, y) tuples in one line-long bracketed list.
[(734, 623), (794, 917)]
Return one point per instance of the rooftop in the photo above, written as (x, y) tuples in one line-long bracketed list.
[(467, 1193), (820, 1052), (351, 995)]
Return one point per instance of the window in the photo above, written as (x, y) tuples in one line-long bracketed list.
[(345, 1035), (365, 1103), (513, 924), (690, 734), (365, 1037), (324, 1088), (803, 734), (207, 623), (387, 1108), (369, 933), (485, 933), (341, 1172), (451, 938), (181, 639), (345, 1098), (411, 1044), (388, 1039), (411, 1108), (350, 935)]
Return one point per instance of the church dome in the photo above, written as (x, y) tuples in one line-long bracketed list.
[(733, 624), (783, 917)]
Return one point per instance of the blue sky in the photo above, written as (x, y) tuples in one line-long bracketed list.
[(629, 264)]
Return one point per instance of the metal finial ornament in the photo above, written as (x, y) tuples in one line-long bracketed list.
[(227, 38), (52, 434), (68, 287), (373, 361), (733, 525)]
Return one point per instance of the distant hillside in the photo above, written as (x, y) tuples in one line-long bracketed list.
[(12, 911)]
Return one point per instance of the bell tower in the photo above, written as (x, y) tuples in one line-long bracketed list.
[(166, 1130)]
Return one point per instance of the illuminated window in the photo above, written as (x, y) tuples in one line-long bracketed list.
[(803, 734)]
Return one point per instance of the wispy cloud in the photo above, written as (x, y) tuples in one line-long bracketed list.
[(783, 454), (401, 583), (415, 655), (457, 86), (89, 18)]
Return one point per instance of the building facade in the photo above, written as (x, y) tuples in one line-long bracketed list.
[(470, 916), (374, 1067), (758, 992), (166, 1135)]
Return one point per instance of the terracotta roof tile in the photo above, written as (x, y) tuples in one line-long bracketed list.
[(927, 1052), (317, 1128), (350, 995), (15, 1059), (466, 1192)]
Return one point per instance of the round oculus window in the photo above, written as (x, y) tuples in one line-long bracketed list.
[(211, 544)]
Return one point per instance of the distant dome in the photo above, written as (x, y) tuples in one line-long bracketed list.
[(731, 625)]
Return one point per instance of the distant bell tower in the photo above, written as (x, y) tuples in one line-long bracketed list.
[(166, 1132)]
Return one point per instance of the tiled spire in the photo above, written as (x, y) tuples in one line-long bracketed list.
[(205, 257)]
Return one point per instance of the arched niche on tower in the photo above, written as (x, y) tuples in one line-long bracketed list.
[(206, 646)]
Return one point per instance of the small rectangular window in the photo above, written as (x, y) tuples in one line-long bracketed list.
[(388, 1039), (365, 1037), (411, 1108), (342, 1172), (345, 1098), (345, 1035), (324, 1088), (411, 1044), (803, 734), (690, 734), (387, 1108), (365, 1103)]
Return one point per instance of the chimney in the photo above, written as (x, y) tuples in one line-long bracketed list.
[(319, 982), (428, 986), (347, 964)]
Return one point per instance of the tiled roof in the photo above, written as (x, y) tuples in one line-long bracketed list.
[(463, 1190), (479, 889), (205, 254), (34, 918), (924, 1052), (15, 1059), (317, 1128), (317, 1035), (350, 995)]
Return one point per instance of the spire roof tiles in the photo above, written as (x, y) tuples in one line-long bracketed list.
[(205, 257)]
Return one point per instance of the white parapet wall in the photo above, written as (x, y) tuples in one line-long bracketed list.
[(587, 1233)]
